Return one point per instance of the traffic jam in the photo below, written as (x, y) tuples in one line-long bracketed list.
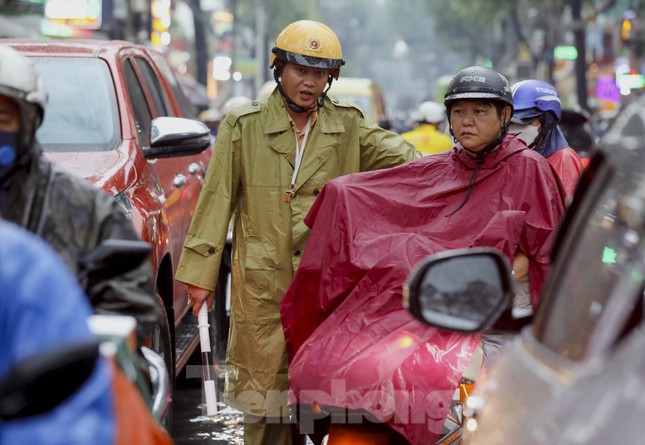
[(229, 222)]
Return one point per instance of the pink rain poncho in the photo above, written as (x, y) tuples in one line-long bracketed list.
[(352, 345), (568, 166)]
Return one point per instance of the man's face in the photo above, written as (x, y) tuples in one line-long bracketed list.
[(475, 123), (9, 115), (303, 85)]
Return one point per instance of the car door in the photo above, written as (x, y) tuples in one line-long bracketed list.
[(179, 179)]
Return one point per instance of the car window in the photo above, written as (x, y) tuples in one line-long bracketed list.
[(155, 90), (166, 71), (142, 113), (598, 279), (81, 112)]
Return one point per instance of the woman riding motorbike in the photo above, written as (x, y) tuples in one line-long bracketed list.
[(360, 365), (538, 112)]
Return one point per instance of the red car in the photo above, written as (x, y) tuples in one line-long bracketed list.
[(117, 117)]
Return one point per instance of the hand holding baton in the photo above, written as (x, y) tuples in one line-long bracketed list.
[(207, 368)]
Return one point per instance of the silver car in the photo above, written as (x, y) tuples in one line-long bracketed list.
[(574, 374)]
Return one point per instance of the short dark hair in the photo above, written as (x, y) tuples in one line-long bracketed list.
[(498, 104)]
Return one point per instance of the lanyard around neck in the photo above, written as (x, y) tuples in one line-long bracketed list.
[(300, 149)]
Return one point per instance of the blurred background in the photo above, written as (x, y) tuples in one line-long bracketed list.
[(592, 50)]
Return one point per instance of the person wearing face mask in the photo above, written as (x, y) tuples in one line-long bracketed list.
[(271, 159), (65, 210), (361, 365), (538, 111)]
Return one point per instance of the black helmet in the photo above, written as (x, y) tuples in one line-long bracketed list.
[(478, 82)]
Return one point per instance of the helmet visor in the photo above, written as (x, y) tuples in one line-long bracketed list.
[(472, 95), (525, 117), (520, 121), (310, 61)]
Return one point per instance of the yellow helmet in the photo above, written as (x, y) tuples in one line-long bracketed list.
[(311, 44)]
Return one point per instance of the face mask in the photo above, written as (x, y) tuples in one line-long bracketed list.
[(527, 133), (8, 149)]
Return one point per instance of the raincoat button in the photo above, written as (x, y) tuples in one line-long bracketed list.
[(296, 253), (316, 191), (211, 250), (254, 103)]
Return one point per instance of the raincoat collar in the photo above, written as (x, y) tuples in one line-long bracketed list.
[(278, 120), (322, 140)]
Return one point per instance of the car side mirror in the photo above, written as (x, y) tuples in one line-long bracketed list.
[(464, 290), (172, 137)]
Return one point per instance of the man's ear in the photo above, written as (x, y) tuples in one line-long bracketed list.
[(279, 66), (506, 115)]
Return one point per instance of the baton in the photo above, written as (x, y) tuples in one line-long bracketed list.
[(209, 381)]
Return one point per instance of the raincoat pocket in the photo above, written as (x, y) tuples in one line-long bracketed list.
[(201, 246)]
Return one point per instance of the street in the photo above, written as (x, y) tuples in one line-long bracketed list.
[(190, 423)]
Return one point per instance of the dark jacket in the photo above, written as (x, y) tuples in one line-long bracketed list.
[(75, 217)]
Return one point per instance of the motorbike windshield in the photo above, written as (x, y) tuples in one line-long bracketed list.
[(598, 273), (81, 114)]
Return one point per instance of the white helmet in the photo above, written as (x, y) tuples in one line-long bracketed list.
[(20, 81), (210, 115), (233, 103), (431, 112)]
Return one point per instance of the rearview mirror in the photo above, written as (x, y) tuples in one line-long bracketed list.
[(465, 290)]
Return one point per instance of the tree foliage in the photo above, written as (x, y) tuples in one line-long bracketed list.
[(279, 13), (495, 29), (469, 26)]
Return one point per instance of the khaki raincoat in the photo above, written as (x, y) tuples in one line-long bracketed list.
[(247, 177)]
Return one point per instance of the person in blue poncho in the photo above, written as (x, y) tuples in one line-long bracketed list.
[(43, 308)]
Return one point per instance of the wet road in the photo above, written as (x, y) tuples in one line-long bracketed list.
[(190, 423)]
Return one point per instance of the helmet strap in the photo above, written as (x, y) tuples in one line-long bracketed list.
[(480, 157), (321, 100), (471, 185), (481, 154), (498, 140), (291, 104), (452, 133)]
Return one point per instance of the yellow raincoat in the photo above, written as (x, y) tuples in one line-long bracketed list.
[(248, 175), (428, 139)]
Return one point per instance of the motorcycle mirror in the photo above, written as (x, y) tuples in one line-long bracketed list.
[(38, 384), (464, 290), (114, 256)]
